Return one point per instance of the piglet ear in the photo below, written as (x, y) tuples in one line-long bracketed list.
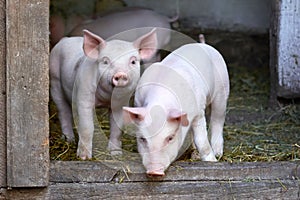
[(131, 115), (92, 44), (178, 117), (147, 45)]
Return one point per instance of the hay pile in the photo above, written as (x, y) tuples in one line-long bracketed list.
[(254, 132)]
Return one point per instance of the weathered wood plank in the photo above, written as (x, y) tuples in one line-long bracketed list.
[(179, 190), (264, 189), (285, 48), (275, 5), (2, 96), (96, 180), (76, 171), (27, 92), (97, 172)]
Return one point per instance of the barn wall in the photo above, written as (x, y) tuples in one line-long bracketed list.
[(229, 15)]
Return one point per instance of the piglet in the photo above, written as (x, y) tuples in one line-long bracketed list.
[(138, 20), (171, 98), (85, 71)]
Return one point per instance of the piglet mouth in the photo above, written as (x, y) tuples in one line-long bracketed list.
[(153, 174)]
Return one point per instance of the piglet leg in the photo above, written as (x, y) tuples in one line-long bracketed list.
[(217, 119), (201, 140), (64, 110), (114, 145)]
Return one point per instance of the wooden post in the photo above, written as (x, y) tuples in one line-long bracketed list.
[(27, 92), (285, 49), (2, 96)]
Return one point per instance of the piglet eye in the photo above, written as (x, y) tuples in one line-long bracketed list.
[(133, 60), (143, 140), (170, 138), (105, 61)]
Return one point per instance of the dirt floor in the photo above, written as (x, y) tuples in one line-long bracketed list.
[(254, 130)]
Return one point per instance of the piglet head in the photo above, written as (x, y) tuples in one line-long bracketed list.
[(118, 60), (158, 135)]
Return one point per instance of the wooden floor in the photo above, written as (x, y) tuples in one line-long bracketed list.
[(183, 180)]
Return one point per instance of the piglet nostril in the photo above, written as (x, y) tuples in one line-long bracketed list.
[(120, 79)]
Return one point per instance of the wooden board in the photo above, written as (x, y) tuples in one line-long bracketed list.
[(275, 5), (99, 172), (284, 189), (27, 92), (285, 49), (2, 96), (184, 180)]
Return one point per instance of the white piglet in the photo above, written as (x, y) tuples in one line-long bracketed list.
[(85, 71), (171, 98)]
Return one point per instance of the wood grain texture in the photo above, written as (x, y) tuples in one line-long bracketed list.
[(289, 49), (188, 180), (285, 48), (98, 172), (274, 25), (2, 96), (281, 189), (178, 190), (27, 92)]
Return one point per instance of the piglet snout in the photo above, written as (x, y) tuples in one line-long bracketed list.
[(156, 171), (120, 79)]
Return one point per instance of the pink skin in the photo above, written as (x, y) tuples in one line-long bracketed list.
[(84, 73), (120, 79), (170, 100), (138, 20)]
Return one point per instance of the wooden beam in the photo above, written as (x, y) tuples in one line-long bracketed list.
[(2, 96), (184, 180), (27, 92), (274, 26), (277, 189), (98, 172), (285, 49)]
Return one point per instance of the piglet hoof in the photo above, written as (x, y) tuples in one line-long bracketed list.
[(115, 149), (218, 150), (219, 154), (83, 154), (84, 157), (217, 146), (69, 139), (211, 158)]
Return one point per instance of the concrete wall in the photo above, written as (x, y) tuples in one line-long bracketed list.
[(228, 15)]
